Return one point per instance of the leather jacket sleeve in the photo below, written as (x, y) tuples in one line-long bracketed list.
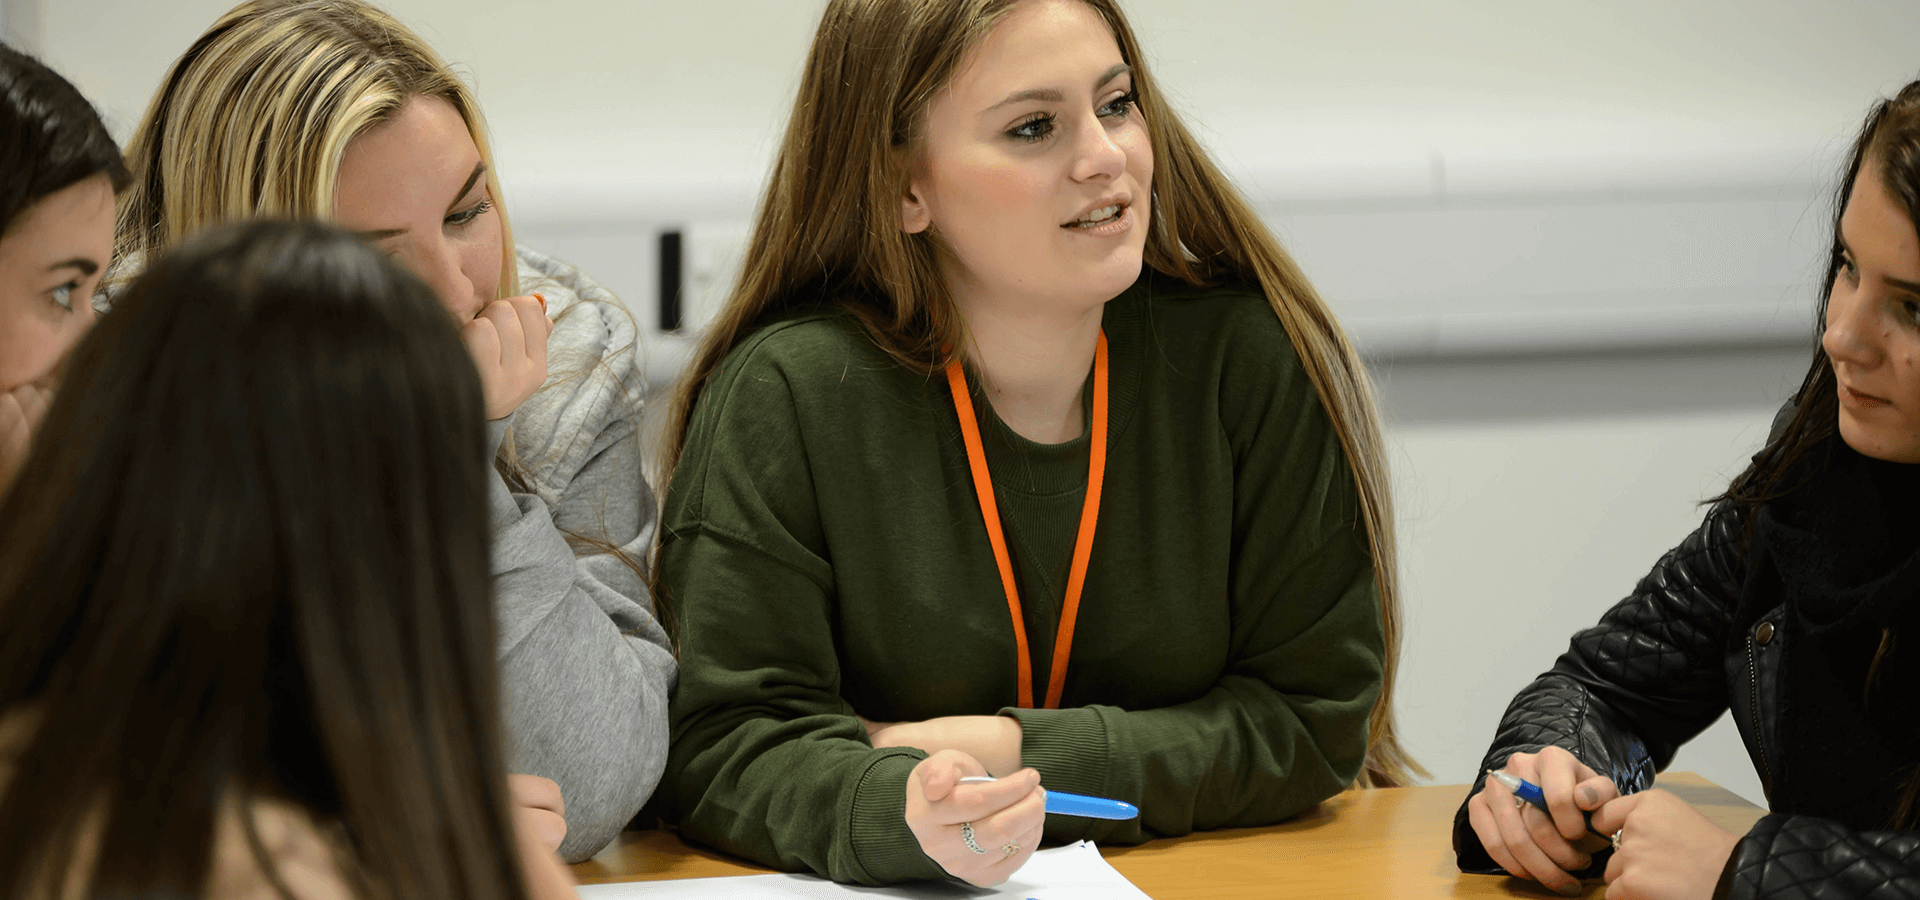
[(1804, 858), (1630, 690)]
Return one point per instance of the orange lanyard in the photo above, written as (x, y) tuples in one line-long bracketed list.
[(1083, 541)]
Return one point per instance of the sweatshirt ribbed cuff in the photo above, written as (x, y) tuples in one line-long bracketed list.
[(1067, 746), (503, 509), (883, 845)]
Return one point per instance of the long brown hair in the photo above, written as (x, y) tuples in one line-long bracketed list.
[(828, 226), (246, 563)]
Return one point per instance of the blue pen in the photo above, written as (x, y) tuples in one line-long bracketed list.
[(1530, 792), (1061, 803)]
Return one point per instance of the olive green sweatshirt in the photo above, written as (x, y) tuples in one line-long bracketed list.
[(825, 550)]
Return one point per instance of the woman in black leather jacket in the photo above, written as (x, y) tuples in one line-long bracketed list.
[(1795, 605)]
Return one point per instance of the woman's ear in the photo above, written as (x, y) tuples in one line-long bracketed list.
[(915, 216)]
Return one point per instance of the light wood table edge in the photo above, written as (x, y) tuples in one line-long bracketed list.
[(1364, 843)]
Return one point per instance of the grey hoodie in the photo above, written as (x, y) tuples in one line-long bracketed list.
[(585, 668)]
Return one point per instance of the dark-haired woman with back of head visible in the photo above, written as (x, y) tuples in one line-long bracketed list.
[(1022, 449), (1795, 606), (246, 637), (333, 109), (59, 170)]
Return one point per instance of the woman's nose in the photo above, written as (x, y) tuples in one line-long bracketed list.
[(1100, 158), (440, 268), (1852, 330)]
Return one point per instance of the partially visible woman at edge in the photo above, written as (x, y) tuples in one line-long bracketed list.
[(992, 265), (227, 710), (59, 170), (1795, 606), (332, 109)]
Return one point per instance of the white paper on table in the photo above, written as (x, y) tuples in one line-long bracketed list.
[(1073, 872)]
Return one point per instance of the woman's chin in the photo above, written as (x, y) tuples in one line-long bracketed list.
[(1112, 278), (1878, 441)]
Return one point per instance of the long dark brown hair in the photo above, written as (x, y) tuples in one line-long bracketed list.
[(246, 561), (828, 230), (50, 136)]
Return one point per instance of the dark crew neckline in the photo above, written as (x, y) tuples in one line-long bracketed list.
[(1042, 470)]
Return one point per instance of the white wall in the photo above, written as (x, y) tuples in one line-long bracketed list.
[(1351, 98), (1576, 236), (1532, 494), (1459, 176)]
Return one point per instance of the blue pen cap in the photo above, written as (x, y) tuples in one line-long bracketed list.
[(1062, 803)]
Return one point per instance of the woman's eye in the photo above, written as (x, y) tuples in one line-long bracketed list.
[(466, 216), (1121, 106), (63, 295), (1033, 129), (1847, 269)]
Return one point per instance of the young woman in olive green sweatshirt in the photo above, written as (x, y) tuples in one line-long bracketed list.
[(1021, 449)]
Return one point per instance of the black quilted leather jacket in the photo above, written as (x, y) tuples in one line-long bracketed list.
[(1660, 667)]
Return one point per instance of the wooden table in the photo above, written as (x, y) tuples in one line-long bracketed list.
[(1393, 842)]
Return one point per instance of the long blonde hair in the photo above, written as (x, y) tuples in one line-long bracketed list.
[(828, 227), (254, 121), (255, 118)]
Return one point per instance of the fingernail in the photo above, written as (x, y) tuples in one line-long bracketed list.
[(543, 301), (1588, 794)]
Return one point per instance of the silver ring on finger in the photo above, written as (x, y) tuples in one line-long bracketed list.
[(1616, 839), (1520, 804), (1011, 848), (966, 837)]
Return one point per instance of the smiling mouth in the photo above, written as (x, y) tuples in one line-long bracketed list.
[(1098, 217)]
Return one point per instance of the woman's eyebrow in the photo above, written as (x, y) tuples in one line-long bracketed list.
[(79, 263), (1053, 96), (479, 169), (1910, 287)]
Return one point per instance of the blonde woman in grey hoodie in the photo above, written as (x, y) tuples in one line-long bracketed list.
[(332, 109)]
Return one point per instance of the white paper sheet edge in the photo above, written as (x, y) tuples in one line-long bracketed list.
[(1073, 872)]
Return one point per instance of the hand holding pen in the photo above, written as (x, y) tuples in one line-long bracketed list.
[(979, 833), (1544, 846)]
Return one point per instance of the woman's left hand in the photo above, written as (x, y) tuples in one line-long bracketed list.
[(993, 740), (20, 412), (1664, 849)]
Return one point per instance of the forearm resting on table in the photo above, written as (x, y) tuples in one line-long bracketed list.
[(992, 740)]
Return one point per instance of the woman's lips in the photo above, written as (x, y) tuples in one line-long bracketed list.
[(1117, 224), (1854, 398)]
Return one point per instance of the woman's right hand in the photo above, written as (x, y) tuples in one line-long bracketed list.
[(508, 342), (1005, 817), (539, 812), (547, 877), (539, 825), (1527, 842)]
